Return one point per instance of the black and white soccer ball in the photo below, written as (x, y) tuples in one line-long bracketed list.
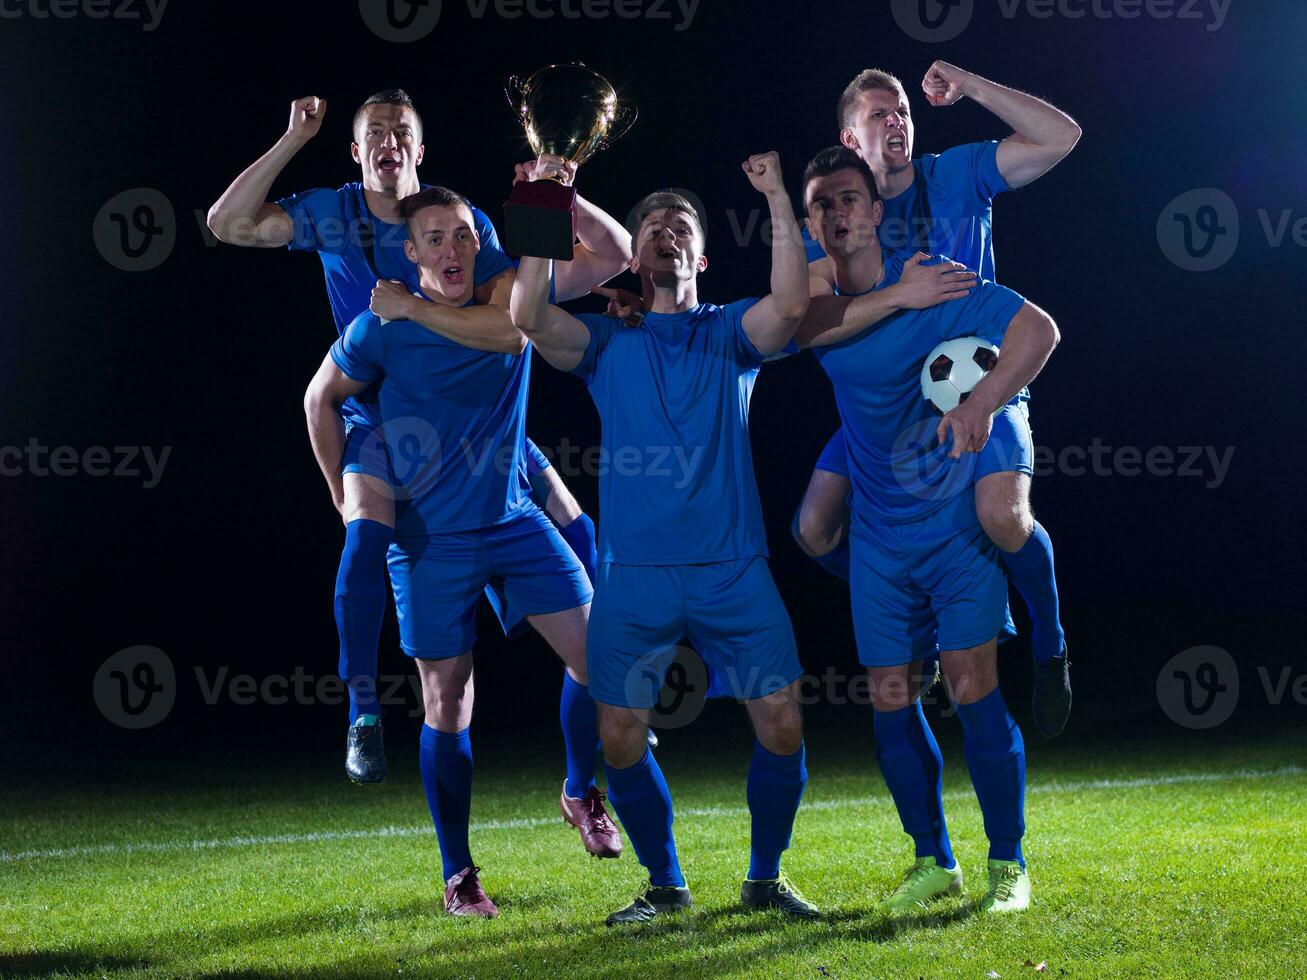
[(953, 369)]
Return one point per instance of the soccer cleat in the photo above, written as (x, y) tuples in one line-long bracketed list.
[(365, 750), (922, 883), (1009, 888), (651, 739), (465, 896), (599, 834), (1051, 701), (653, 901), (777, 893), (930, 675)]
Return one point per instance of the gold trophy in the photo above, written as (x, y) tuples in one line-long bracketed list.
[(569, 112)]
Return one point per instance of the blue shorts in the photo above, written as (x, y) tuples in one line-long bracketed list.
[(730, 611), (437, 580), (1010, 447), (536, 461), (366, 452), (931, 583)]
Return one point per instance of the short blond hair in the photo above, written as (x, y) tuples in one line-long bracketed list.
[(867, 80)]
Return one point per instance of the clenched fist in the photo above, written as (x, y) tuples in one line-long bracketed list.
[(306, 117), (764, 170)]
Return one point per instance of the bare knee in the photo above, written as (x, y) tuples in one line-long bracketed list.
[(893, 688), (970, 674), (623, 732), (366, 498), (781, 731), (822, 521), (447, 698), (1004, 511)]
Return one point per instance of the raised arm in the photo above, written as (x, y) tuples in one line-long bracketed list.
[(326, 392), (833, 319), (1030, 338), (244, 215), (560, 337), (770, 323), (487, 327), (1042, 135)]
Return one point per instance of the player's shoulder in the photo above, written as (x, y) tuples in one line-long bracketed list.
[(963, 155), (365, 324)]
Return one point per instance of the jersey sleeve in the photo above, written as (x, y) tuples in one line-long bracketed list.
[(312, 214), (536, 461), (741, 346), (602, 329), (984, 312), (491, 260), (358, 352), (971, 170)]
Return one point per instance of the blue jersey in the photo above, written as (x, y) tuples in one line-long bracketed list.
[(947, 210), (676, 483), (357, 248), (900, 471), (453, 419)]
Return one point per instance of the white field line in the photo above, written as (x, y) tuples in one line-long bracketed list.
[(531, 823)]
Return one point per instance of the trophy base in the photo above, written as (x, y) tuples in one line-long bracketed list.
[(540, 220)]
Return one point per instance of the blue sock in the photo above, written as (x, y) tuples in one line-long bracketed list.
[(360, 608), (913, 768), (1031, 571), (446, 761), (775, 787), (580, 535), (996, 758), (576, 713), (639, 796)]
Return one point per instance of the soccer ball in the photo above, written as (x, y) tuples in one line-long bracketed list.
[(953, 369)]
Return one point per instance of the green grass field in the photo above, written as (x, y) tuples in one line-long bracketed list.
[(1178, 857)]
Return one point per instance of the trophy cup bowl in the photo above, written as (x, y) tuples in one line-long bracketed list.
[(568, 112)]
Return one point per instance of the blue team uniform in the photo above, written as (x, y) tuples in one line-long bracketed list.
[(920, 558), (948, 210), (453, 421), (682, 549)]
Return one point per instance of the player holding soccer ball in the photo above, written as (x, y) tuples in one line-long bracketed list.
[(942, 204), (923, 573), (356, 232), (685, 556)]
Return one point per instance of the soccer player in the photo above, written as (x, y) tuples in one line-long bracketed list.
[(682, 547), (923, 573), (453, 418), (356, 232), (942, 204)]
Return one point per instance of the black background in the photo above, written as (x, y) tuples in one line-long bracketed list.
[(230, 560)]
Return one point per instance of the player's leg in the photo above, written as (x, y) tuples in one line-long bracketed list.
[(895, 632), (1003, 506), (437, 583), (968, 594), (739, 625), (634, 625), (544, 582), (777, 776), (996, 759), (821, 524), (360, 597)]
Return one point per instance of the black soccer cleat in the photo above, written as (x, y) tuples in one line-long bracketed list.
[(365, 753), (777, 893), (1051, 701), (654, 901)]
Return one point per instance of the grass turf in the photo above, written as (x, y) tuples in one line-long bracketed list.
[(1162, 858)]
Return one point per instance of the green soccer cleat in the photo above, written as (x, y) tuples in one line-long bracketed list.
[(652, 902), (922, 883), (776, 893), (1009, 888)]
